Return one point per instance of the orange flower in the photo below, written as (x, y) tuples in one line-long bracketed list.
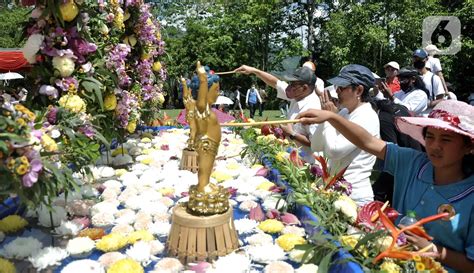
[(392, 251), (327, 179)]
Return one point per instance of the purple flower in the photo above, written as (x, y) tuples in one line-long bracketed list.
[(316, 170), (342, 186), (31, 176), (52, 115), (66, 83), (49, 91), (87, 130), (82, 48)]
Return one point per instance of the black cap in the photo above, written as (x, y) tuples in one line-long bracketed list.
[(354, 74), (302, 74), (407, 72)]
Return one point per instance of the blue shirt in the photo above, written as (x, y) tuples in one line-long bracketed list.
[(415, 190), (253, 96)]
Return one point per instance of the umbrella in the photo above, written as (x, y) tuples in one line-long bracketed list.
[(223, 100), (10, 76), (221, 117)]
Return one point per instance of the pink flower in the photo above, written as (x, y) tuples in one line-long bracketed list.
[(257, 214), (289, 219), (273, 214)]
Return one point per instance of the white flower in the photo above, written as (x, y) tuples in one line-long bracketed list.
[(103, 219), (58, 214), (83, 266), (80, 245), (47, 257), (21, 248), (112, 184), (106, 206), (169, 265), (87, 67), (140, 252), (245, 225), (109, 258), (278, 267), (49, 91), (64, 64), (120, 160), (259, 239), (157, 247), (68, 228), (2, 236), (347, 206), (266, 253), (296, 255), (123, 229), (160, 228), (247, 205), (307, 268), (31, 47), (294, 230), (162, 217), (127, 217), (273, 202), (232, 263), (55, 133)]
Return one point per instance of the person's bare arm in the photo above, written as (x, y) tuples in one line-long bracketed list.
[(440, 75), (264, 76), (353, 132)]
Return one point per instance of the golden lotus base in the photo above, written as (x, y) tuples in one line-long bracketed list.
[(213, 200), (198, 238), (189, 161)]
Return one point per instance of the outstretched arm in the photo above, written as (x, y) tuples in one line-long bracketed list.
[(264, 76), (353, 132)]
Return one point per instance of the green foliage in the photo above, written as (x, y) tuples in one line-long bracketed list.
[(11, 21)]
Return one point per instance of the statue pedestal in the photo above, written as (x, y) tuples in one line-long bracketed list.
[(189, 161), (197, 238)]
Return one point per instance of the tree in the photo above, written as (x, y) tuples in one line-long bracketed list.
[(11, 21)]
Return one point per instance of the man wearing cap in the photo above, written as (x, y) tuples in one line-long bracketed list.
[(299, 91), (434, 65), (391, 72), (352, 87), (432, 82)]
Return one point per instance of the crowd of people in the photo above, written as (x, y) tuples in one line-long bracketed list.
[(410, 123)]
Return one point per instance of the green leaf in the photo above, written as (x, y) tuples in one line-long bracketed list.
[(325, 263), (92, 85)]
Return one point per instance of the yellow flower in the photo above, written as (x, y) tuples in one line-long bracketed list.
[(120, 172), (69, 11), (11, 164), (31, 115), (416, 258), (140, 235), (161, 98), (146, 140), (265, 186), (22, 169), (118, 20), (221, 176), (20, 107), (281, 156), (48, 143), (12, 223), (7, 266), (350, 241), (289, 240), (158, 35), (420, 266), (110, 102), (132, 126), (64, 65), (126, 265), (166, 191), (384, 242), (147, 160), (156, 66), (73, 103), (390, 267), (130, 40), (24, 160), (111, 242), (271, 226), (119, 151), (21, 122)]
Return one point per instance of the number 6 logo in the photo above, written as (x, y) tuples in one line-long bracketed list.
[(444, 32)]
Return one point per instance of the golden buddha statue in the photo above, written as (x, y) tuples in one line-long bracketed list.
[(206, 198), (190, 105)]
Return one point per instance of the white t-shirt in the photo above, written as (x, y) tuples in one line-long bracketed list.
[(434, 90), (341, 152), (319, 84), (433, 64), (309, 102), (416, 101)]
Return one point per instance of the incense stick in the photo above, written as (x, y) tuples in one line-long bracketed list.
[(259, 123), (224, 73)]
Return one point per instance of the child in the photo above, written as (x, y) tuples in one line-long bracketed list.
[(440, 180)]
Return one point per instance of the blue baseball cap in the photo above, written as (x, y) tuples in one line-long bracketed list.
[(420, 53), (354, 74)]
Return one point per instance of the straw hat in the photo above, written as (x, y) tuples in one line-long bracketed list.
[(449, 115)]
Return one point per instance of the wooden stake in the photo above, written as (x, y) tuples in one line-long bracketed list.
[(259, 123)]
